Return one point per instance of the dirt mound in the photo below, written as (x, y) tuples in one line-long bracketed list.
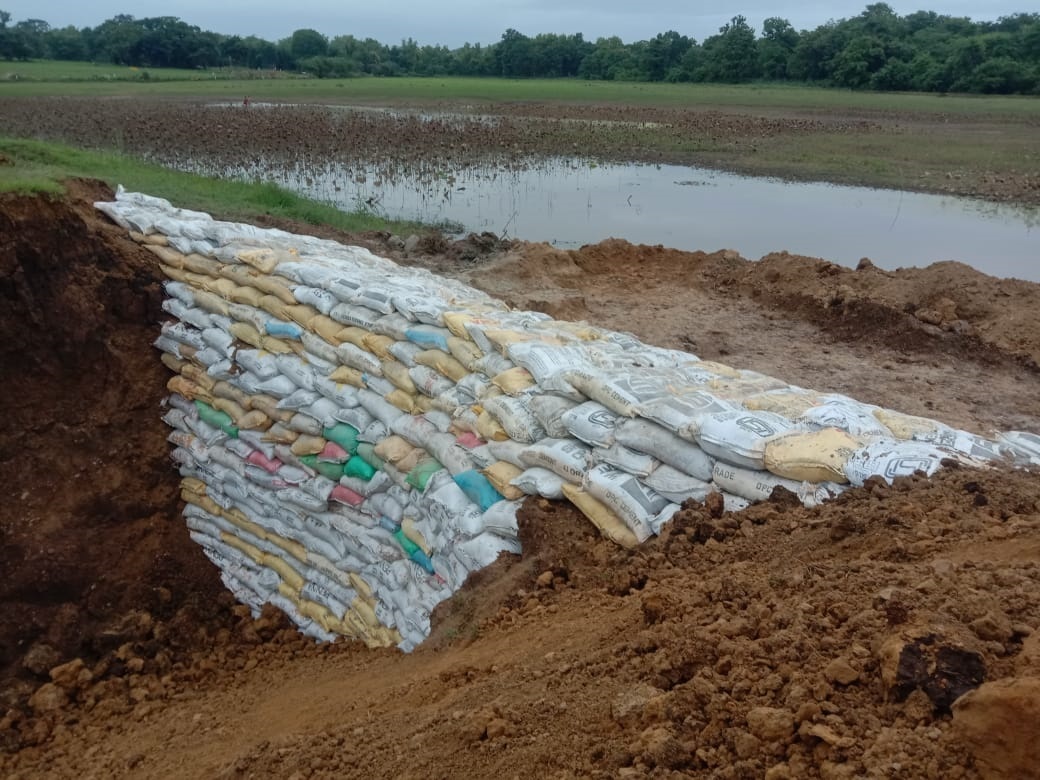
[(92, 551), (780, 642)]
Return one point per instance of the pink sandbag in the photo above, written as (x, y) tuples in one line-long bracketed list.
[(469, 440), (333, 453), (270, 465), (346, 496)]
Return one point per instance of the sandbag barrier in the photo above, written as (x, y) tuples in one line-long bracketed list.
[(355, 437)]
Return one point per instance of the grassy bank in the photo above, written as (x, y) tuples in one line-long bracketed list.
[(28, 166), (57, 78)]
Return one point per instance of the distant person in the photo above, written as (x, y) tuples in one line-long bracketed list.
[(245, 102)]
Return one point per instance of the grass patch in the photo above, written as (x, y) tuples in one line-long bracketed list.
[(227, 85), (29, 166), (61, 71)]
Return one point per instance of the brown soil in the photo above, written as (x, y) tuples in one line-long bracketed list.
[(779, 642)]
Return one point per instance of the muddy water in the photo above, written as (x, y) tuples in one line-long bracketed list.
[(569, 203)]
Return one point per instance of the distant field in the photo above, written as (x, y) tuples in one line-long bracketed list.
[(70, 78), (49, 72)]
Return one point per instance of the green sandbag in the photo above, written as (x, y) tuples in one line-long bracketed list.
[(344, 435), (357, 467), (217, 418), (406, 544), (367, 452), (420, 475), (328, 470)]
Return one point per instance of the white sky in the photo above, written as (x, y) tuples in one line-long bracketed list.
[(454, 22)]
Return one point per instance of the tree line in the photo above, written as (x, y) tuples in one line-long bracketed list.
[(878, 49)]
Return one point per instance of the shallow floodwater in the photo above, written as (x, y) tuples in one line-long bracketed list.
[(570, 203)]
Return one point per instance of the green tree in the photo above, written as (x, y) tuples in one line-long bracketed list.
[(305, 43), (731, 56), (775, 47)]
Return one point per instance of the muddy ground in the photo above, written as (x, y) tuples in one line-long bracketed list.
[(780, 642), (921, 151)]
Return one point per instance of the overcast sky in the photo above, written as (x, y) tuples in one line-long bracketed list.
[(454, 22)]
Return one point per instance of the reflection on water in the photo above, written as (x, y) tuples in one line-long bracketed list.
[(572, 202)]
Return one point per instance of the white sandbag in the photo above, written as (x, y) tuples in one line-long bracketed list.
[(621, 457), (537, 481), (652, 439), (891, 458), (500, 517), (549, 411), (752, 485), (567, 458), (846, 415), (510, 451), (482, 550), (740, 438), (514, 416), (681, 414), (1024, 446), (962, 443), (622, 393), (631, 500), (677, 486), (592, 423)]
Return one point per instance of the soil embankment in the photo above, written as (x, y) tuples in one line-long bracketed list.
[(779, 642)]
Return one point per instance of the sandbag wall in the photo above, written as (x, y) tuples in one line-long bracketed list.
[(355, 437)]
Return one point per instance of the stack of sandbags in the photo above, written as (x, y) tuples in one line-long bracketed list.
[(355, 436)]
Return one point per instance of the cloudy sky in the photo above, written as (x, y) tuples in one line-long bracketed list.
[(454, 22)]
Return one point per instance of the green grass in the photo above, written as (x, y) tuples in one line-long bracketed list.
[(28, 166), (59, 71), (219, 85)]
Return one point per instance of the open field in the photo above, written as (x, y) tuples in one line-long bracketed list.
[(70, 79), (983, 152), (41, 72)]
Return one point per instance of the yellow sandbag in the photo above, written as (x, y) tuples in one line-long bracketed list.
[(398, 374), (501, 339), (393, 449), (275, 307), (819, 456), (466, 352), (155, 239), (442, 362), (174, 273), (317, 612), (255, 554), (366, 613), (167, 255), (513, 381), (204, 502), (345, 375), (227, 390), (183, 386), (219, 286), (414, 535), (285, 571), (269, 406), (285, 589), (249, 296), (500, 474), (237, 518), (279, 434), (230, 408), (354, 335), (193, 485), (456, 322), (411, 460), (489, 429), (379, 345), (212, 303), (788, 403), (360, 585), (243, 331), (717, 368), (306, 444), (424, 404), (328, 329), (302, 314), (276, 346), (171, 362), (403, 401), (905, 426), (198, 264), (254, 420), (198, 376), (608, 523), (262, 259)]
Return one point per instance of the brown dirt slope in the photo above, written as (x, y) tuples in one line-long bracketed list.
[(780, 642)]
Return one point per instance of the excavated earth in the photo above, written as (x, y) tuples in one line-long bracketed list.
[(894, 632)]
